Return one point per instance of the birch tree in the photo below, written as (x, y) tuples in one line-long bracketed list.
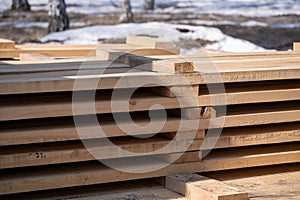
[(149, 4), (20, 5), (58, 17), (126, 12)]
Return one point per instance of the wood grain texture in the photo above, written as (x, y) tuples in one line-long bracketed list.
[(49, 177)]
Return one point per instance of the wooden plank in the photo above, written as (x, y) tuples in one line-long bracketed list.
[(51, 130), (68, 65), (34, 57), (6, 44), (63, 50), (62, 105), (296, 47), (129, 80), (280, 182), (242, 93), (196, 187), (149, 42), (55, 153), (92, 191), (51, 177)]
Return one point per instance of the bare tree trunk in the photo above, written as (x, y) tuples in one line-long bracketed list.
[(126, 11), (149, 4), (20, 5), (58, 17)]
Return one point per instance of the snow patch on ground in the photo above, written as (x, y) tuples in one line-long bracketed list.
[(170, 32)]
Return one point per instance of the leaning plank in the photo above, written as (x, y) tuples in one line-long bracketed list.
[(51, 177), (296, 47), (196, 187), (150, 64), (6, 44)]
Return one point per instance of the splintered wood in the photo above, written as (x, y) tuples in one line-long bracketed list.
[(191, 114)]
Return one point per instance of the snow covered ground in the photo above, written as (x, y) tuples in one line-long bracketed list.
[(170, 32), (253, 8)]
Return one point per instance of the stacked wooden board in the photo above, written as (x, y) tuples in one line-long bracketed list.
[(41, 148)]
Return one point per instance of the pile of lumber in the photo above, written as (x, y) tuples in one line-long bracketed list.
[(41, 147)]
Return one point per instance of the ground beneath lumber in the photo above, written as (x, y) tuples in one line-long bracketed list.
[(29, 27)]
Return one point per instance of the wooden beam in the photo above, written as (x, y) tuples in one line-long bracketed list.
[(6, 44), (196, 187)]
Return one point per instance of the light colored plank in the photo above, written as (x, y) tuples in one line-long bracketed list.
[(196, 187), (34, 57), (49, 177), (60, 130), (57, 65), (6, 44), (296, 47), (66, 83), (243, 93), (280, 182), (75, 151), (149, 42), (62, 105)]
